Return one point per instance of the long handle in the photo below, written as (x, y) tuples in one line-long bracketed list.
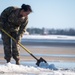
[(20, 44)]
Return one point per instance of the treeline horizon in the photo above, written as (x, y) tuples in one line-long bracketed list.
[(51, 31)]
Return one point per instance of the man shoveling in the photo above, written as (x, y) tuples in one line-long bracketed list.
[(13, 20)]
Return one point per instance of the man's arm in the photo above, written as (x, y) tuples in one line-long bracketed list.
[(22, 29)]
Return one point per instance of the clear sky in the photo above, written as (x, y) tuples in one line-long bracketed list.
[(47, 13)]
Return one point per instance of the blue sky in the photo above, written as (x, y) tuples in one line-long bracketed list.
[(47, 13)]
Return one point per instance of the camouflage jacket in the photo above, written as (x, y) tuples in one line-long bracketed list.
[(11, 20)]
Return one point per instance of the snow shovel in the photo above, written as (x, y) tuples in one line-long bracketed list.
[(38, 60)]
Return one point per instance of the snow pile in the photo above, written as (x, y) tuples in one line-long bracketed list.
[(31, 70)]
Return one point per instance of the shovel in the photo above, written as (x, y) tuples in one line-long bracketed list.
[(38, 60)]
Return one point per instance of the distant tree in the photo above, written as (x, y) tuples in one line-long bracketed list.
[(52, 31), (71, 32)]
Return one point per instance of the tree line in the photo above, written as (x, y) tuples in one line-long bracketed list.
[(45, 31), (52, 31)]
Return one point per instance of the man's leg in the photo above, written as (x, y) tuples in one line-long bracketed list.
[(15, 49), (7, 47)]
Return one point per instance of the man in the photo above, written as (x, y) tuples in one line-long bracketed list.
[(13, 20)]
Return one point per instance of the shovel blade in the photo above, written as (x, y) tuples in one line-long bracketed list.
[(40, 60)]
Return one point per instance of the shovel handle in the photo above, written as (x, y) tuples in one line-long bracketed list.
[(20, 44)]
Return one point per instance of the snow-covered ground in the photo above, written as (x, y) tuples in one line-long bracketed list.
[(13, 69), (65, 37), (47, 39)]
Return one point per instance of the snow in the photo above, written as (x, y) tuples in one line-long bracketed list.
[(49, 37), (32, 70), (66, 37)]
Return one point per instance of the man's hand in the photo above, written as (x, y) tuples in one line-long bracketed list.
[(18, 39)]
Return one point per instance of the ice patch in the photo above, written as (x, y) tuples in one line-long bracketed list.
[(46, 65), (13, 69)]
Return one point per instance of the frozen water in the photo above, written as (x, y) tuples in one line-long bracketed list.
[(46, 65)]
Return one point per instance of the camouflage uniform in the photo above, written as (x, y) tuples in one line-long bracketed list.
[(13, 23)]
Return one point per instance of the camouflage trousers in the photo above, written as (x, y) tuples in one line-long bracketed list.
[(11, 48)]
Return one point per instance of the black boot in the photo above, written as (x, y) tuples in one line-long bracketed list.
[(8, 60), (16, 59), (17, 62)]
